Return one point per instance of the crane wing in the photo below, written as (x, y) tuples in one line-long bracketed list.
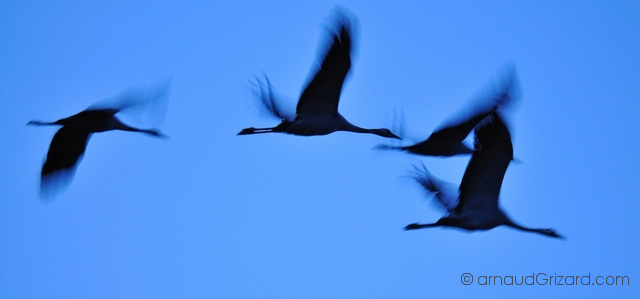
[(141, 104), (449, 137), (322, 94), (264, 92), (67, 147), (448, 140), (482, 180), (445, 193)]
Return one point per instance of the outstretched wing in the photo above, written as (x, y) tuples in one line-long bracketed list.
[(322, 94), (142, 104), (66, 148), (482, 180), (448, 139)]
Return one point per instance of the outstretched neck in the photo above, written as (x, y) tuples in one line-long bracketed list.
[(520, 227), (419, 226), (151, 132), (347, 126), (352, 128), (118, 125), (41, 123), (542, 231)]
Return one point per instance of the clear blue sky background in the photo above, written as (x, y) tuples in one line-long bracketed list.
[(208, 214)]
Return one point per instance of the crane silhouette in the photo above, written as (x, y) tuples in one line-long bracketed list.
[(70, 142), (317, 109), (448, 140), (475, 206)]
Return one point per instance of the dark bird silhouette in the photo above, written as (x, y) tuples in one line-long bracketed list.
[(317, 110), (475, 207), (70, 142), (448, 140)]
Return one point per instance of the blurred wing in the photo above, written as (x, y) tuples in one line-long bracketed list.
[(456, 133), (482, 180), (447, 140), (322, 94), (446, 193), (149, 103), (66, 148), (458, 129), (264, 92)]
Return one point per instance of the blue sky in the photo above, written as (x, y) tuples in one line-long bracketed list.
[(208, 214)]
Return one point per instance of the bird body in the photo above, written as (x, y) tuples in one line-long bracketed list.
[(94, 121), (477, 206), (321, 124), (474, 220), (70, 142), (316, 125), (317, 109)]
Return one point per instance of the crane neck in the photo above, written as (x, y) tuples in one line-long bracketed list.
[(41, 123)]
